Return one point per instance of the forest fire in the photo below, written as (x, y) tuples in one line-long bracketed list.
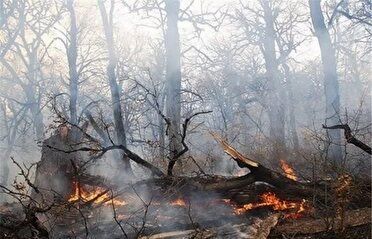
[(185, 119), (288, 170), (97, 195), (296, 209)]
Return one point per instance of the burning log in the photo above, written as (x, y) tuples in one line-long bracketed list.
[(173, 197), (96, 195), (271, 200), (258, 172), (288, 170)]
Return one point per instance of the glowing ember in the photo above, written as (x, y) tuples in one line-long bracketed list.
[(271, 200), (178, 202), (98, 196), (289, 172)]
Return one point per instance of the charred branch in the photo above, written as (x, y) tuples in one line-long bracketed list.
[(185, 125), (350, 138), (261, 173), (101, 151)]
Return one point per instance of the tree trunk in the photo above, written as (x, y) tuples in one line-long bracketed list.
[(31, 94), (276, 105), (72, 58), (331, 85), (161, 130), (114, 88), (173, 79), (292, 116), (159, 68), (4, 176), (37, 116), (11, 135)]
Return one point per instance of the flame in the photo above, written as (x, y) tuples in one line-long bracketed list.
[(178, 202), (98, 195), (271, 200), (288, 170)]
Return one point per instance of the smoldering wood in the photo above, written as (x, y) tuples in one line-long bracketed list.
[(259, 172), (58, 169), (54, 169), (259, 230), (241, 190), (352, 218)]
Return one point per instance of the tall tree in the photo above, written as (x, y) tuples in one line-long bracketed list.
[(30, 53), (173, 80), (10, 12), (72, 52), (107, 22), (276, 104), (166, 15), (331, 84)]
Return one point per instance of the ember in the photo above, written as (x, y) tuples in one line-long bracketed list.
[(271, 200), (98, 196), (288, 170), (178, 202)]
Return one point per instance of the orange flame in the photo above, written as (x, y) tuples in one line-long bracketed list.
[(98, 196), (271, 200), (178, 202), (288, 170)]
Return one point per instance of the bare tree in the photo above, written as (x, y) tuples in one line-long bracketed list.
[(107, 22), (167, 15), (276, 106), (331, 85), (31, 50), (259, 25), (173, 78), (12, 121), (72, 52), (10, 12)]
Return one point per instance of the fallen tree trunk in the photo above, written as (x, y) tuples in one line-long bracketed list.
[(260, 173)]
